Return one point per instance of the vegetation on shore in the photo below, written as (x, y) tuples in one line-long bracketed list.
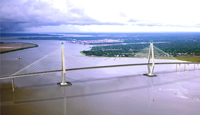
[(174, 48), (190, 58), (181, 50)]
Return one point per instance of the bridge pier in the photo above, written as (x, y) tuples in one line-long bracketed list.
[(63, 83), (151, 52), (178, 69), (197, 67), (185, 68), (13, 85)]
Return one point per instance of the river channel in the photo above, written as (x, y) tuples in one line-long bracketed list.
[(108, 91)]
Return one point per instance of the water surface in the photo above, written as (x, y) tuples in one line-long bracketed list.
[(109, 91)]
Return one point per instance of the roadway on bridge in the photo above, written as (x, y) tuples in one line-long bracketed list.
[(94, 67)]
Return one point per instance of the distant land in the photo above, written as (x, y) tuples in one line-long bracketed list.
[(14, 46), (182, 45)]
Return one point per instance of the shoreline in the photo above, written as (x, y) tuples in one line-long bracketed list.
[(6, 47), (181, 58)]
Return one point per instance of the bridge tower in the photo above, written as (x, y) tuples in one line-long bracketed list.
[(63, 83), (151, 54)]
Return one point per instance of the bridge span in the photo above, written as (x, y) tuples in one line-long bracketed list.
[(63, 70), (98, 67)]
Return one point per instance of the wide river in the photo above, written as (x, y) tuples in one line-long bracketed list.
[(109, 91)]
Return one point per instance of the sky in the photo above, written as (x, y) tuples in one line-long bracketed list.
[(99, 16)]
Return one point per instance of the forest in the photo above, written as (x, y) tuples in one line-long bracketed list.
[(174, 48)]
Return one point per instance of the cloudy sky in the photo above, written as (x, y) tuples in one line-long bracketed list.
[(99, 15)]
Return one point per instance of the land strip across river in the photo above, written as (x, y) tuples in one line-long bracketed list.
[(14, 46)]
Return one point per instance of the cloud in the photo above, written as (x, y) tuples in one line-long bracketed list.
[(23, 14), (133, 20)]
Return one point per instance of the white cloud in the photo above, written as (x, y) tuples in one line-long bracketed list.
[(100, 15)]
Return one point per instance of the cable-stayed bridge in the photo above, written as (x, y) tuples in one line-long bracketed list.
[(107, 66), (30, 70)]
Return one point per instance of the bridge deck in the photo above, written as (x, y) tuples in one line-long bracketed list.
[(94, 67)]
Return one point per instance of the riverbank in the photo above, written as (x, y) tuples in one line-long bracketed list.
[(14, 46), (189, 58), (181, 58)]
